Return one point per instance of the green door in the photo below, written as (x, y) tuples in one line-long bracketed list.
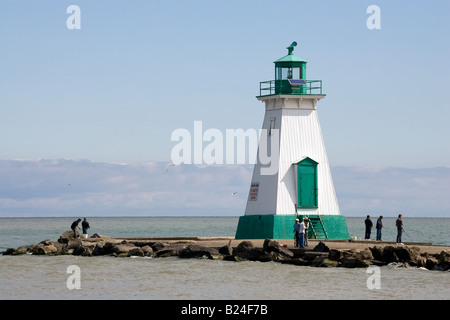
[(307, 183)]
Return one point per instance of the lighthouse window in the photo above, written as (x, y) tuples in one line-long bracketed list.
[(290, 73)]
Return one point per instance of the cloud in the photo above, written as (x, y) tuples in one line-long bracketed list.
[(390, 191), (85, 188), (65, 187)]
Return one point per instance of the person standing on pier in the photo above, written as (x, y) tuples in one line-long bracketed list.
[(301, 241), (297, 232), (306, 221), (369, 226), (379, 226), (399, 225)]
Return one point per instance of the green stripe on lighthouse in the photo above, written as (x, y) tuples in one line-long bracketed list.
[(282, 227)]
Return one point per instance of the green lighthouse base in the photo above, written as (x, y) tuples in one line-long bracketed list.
[(282, 227)]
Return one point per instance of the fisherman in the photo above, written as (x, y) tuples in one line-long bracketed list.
[(74, 227), (369, 226), (379, 226), (85, 225), (399, 225), (296, 232)]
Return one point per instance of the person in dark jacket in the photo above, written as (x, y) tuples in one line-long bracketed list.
[(296, 232), (74, 227), (379, 226), (85, 225), (369, 226), (399, 225)]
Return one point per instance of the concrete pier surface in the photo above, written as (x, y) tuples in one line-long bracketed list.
[(217, 242)]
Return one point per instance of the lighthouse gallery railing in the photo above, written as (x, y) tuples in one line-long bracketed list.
[(271, 87)]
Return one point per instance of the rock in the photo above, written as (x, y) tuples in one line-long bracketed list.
[(324, 262), (157, 246), (377, 252), (365, 254), (232, 258), (20, 250), (99, 250), (271, 251), (252, 254), (355, 263), (8, 251), (103, 248), (245, 245), (66, 237), (226, 250), (431, 262), (296, 261), (48, 247), (335, 254), (123, 248), (247, 251), (312, 255), (98, 236), (136, 252), (377, 262), (444, 260), (389, 254), (147, 250), (41, 249), (274, 246), (169, 251), (407, 254), (72, 245), (196, 251), (82, 251), (321, 247)]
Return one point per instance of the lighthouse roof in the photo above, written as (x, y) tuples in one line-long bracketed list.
[(290, 58)]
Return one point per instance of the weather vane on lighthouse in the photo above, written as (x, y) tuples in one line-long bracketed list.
[(291, 47)]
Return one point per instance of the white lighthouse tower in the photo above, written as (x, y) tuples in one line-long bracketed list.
[(301, 183)]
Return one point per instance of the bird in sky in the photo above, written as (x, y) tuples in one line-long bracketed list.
[(170, 165)]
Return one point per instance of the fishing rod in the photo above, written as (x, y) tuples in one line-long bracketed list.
[(403, 230)]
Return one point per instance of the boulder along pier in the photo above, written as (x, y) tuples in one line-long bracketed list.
[(319, 253)]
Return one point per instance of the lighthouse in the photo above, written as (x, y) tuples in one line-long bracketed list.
[(301, 184)]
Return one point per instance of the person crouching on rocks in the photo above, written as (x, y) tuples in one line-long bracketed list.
[(74, 227)]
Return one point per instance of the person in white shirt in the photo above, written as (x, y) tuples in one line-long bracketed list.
[(302, 233)]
